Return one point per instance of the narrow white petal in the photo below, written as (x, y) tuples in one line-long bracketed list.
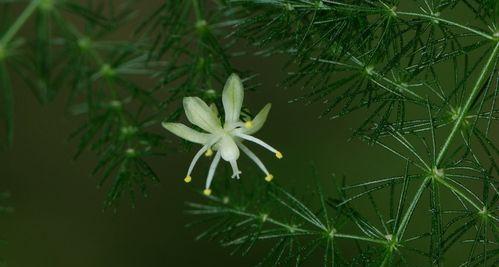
[(198, 113), (260, 142), (232, 98), (228, 148), (253, 157), (213, 168), (235, 169), (259, 120), (187, 133)]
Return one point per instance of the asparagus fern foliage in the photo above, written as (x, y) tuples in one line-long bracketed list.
[(424, 73)]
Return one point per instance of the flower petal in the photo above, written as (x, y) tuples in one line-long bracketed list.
[(214, 109), (198, 113), (187, 133), (259, 120), (232, 98), (229, 149)]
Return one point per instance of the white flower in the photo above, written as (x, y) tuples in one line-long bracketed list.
[(225, 139)]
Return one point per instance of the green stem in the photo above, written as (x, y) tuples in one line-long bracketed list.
[(375, 74), (387, 258), (270, 220), (457, 191), (412, 207), (11, 32), (425, 16), (197, 10), (360, 238), (287, 226), (71, 29), (455, 129), (464, 110)]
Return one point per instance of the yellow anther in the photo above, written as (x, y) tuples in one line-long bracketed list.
[(248, 124), (207, 192), (278, 155), (188, 179), (269, 177), (209, 152)]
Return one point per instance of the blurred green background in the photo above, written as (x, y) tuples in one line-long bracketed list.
[(59, 221)]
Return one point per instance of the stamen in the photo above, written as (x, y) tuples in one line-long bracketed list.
[(248, 124), (235, 170), (213, 167), (207, 192), (253, 157), (208, 153), (269, 177), (197, 156), (260, 142), (237, 125), (187, 179)]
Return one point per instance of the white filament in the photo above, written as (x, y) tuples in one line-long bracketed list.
[(213, 168), (257, 141), (253, 157), (197, 156)]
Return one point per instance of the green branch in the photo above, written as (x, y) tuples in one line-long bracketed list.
[(11, 32), (448, 22), (458, 192), (412, 207), (392, 10), (374, 74), (197, 10), (483, 76), (360, 238), (464, 110)]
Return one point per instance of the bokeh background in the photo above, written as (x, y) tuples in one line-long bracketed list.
[(59, 219)]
